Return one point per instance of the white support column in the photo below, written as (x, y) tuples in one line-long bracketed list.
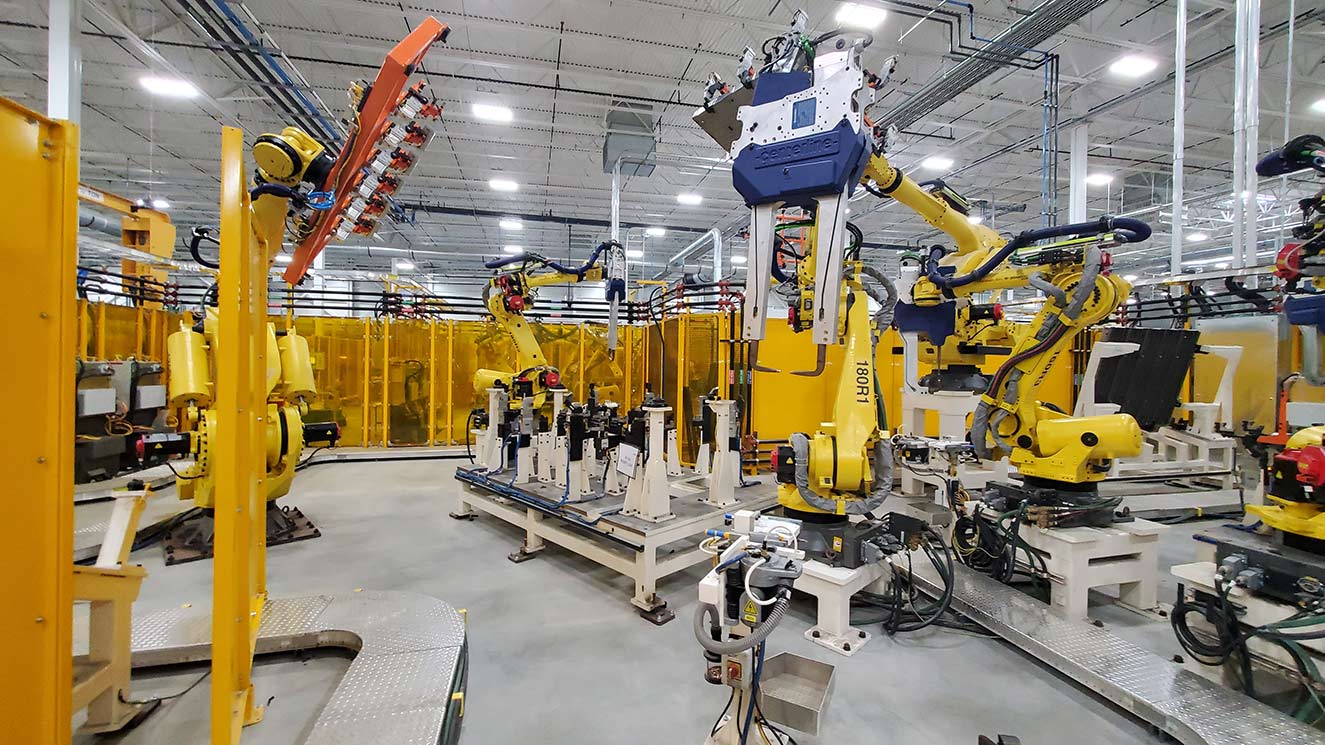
[(1252, 153), (64, 66), (1179, 134), (1076, 181), (1246, 113)]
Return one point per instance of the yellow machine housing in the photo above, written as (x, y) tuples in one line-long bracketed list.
[(289, 387), (1043, 443), (1296, 506), (841, 463)]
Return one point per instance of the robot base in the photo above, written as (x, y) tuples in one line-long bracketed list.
[(191, 540), (833, 588), (1007, 495)]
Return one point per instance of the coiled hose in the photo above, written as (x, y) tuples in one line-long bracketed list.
[(704, 629)]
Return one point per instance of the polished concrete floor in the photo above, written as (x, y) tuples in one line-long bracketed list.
[(557, 654)]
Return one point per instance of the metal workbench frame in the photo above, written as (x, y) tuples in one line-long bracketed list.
[(644, 551)]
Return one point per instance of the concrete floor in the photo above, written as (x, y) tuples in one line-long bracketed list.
[(557, 654)]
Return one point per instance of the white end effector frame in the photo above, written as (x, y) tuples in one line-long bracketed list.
[(839, 82)]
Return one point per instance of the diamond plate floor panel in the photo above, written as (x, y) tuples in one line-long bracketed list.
[(1188, 707), (397, 690)]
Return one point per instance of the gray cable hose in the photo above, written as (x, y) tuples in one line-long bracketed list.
[(883, 481), (1039, 282), (887, 304), (1086, 287), (736, 646)]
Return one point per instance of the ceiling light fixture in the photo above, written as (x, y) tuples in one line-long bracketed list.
[(1222, 265), (1318, 106), (1198, 236), (1130, 277), (738, 259), (284, 258), (860, 15), (689, 198), (491, 112), (1133, 66), (634, 253), (510, 225), (503, 184), (402, 265), (936, 163), (513, 249), (655, 232), (160, 204), (172, 87), (1099, 179)]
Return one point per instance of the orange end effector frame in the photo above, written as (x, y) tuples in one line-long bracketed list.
[(381, 101)]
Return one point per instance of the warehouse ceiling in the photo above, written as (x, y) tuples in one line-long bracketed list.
[(571, 70)]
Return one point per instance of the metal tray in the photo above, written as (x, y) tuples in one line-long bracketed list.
[(794, 691)]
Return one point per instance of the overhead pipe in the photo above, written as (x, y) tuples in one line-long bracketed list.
[(1179, 133), (679, 258), (99, 223), (1288, 108)]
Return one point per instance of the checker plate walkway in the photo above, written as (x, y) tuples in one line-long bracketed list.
[(1191, 709), (401, 687)]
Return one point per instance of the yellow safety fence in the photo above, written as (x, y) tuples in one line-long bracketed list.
[(392, 382)]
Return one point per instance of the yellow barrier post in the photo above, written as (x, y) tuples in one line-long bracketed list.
[(101, 331), (432, 381), (583, 373), (450, 385), (682, 331), (139, 336), (628, 385), (367, 382), (386, 381), (239, 579), (39, 158)]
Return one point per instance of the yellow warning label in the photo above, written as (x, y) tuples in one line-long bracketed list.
[(837, 543), (750, 613)]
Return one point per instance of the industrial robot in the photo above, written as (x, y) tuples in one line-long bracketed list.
[(1296, 510), (286, 161), (516, 426), (803, 141), (510, 293)]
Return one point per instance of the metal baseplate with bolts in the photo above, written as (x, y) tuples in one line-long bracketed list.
[(1191, 709), (406, 683)]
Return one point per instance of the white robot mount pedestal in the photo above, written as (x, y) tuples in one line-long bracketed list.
[(648, 496), (726, 469), (489, 445)]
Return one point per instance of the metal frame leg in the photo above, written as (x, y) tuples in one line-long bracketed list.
[(533, 542)]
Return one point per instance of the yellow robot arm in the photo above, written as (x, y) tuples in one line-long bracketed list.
[(846, 466), (508, 295), (284, 161), (1043, 443)]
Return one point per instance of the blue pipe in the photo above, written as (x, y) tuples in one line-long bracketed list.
[(224, 7), (529, 499)]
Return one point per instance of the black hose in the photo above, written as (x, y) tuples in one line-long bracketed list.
[(199, 234), (1128, 229)]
